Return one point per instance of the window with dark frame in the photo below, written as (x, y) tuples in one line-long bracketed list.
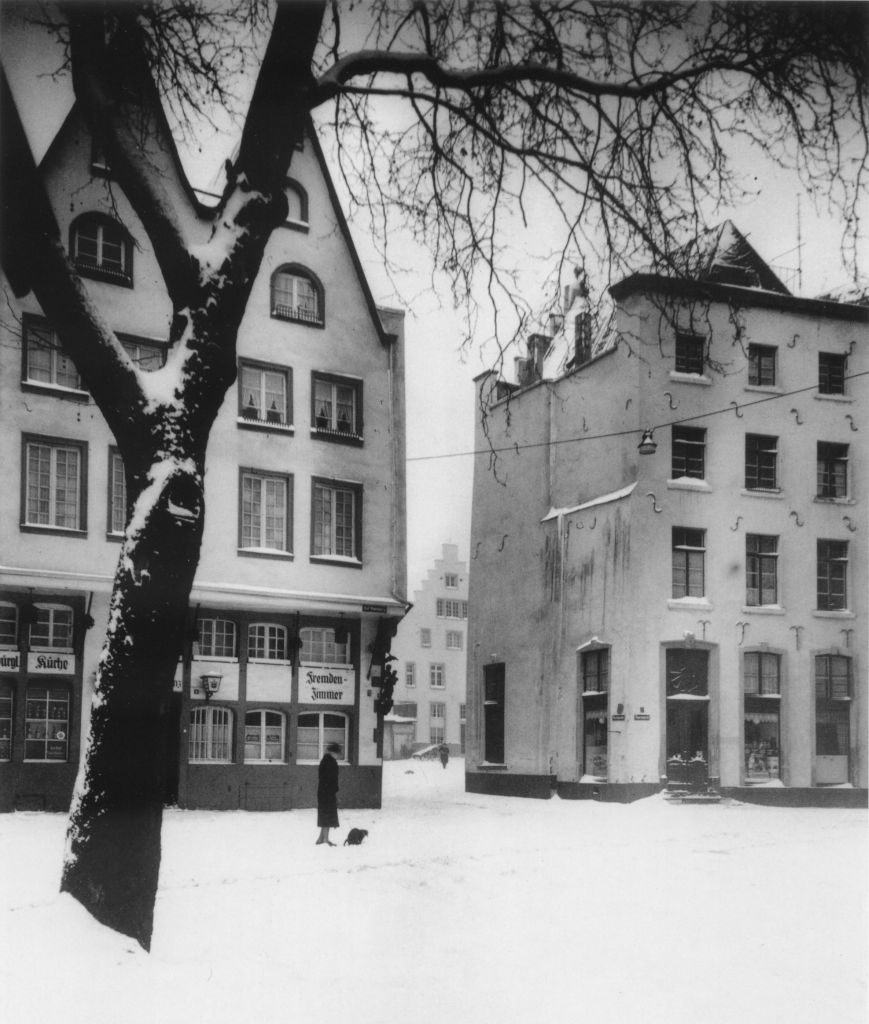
[(265, 393), (832, 470), (8, 624), (761, 462), (832, 705), (210, 736), (52, 630), (336, 407), (689, 555), (264, 736), (594, 670), (315, 730), (297, 295), (831, 373), (761, 674), (690, 354), (217, 638), (688, 453), (266, 512), (832, 677), (832, 575), (54, 484), (101, 248), (46, 723), (336, 520), (762, 365), (147, 355), (117, 512), (45, 362), (6, 708), (761, 569), (266, 641)]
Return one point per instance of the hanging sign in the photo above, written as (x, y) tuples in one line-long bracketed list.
[(327, 684), (45, 664)]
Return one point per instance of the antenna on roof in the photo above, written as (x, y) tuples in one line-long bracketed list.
[(799, 248)]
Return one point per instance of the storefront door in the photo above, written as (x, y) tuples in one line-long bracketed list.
[(687, 703)]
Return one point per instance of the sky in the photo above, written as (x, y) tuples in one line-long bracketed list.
[(439, 388), (458, 907)]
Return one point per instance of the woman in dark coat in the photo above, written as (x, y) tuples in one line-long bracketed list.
[(327, 793)]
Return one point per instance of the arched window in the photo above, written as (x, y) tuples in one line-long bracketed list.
[(264, 736), (297, 295), (210, 734), (8, 624), (101, 248), (316, 730), (297, 200)]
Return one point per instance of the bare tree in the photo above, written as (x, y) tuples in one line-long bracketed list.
[(622, 113)]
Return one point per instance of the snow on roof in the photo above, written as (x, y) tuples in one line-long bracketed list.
[(603, 499)]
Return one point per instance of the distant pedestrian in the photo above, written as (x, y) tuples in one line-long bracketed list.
[(327, 793), (444, 752)]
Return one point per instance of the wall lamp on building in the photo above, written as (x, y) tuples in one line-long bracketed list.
[(210, 684), (647, 445)]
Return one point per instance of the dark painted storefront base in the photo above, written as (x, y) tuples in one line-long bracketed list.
[(36, 787), (617, 793), (815, 796), (274, 787), (497, 783)]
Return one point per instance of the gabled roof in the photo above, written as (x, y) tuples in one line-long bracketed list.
[(723, 255)]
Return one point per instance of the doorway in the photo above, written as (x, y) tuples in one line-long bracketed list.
[(687, 703)]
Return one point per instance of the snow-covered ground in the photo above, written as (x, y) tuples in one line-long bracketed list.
[(458, 908)]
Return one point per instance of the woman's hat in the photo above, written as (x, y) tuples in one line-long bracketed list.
[(334, 748)]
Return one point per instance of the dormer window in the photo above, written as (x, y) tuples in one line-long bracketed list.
[(298, 296), (297, 206), (102, 249)]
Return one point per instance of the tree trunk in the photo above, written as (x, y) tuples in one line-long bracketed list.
[(112, 861)]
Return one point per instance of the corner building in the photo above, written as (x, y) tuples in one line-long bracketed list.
[(301, 578), (670, 581)]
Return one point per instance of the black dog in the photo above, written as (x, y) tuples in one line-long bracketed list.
[(355, 836)]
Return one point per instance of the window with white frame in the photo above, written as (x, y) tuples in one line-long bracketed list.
[(689, 556), (297, 205), (266, 641), (8, 624), (425, 638), (217, 638), (436, 676), (761, 462), (447, 608), (147, 355), (455, 640), (832, 560), (336, 520), (5, 722), (117, 514), (46, 723), (264, 393), (45, 362), (410, 674), (210, 734), (316, 730), (264, 736), (437, 709), (321, 647), (52, 630), (336, 406), (101, 248), (266, 512), (832, 470), (451, 581), (54, 484), (761, 569), (297, 295)]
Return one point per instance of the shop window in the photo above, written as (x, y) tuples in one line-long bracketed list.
[(210, 735), (762, 365), (102, 249), (761, 569), (410, 674), (8, 625), (264, 736), (316, 730), (688, 453), (54, 484), (832, 470), (46, 724), (320, 647), (45, 362), (336, 411), (436, 676), (689, 557), (298, 296), (52, 630), (831, 373), (5, 722), (217, 638), (265, 394), (690, 354), (832, 575), (761, 462), (761, 671), (266, 642), (336, 520), (266, 512)]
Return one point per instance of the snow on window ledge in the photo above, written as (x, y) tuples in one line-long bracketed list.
[(688, 483), (687, 603), (764, 609), (690, 378)]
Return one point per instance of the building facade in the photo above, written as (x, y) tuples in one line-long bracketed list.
[(692, 606), (430, 647), (301, 578)]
